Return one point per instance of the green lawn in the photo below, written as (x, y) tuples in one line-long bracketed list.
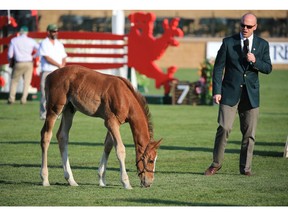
[(188, 134)]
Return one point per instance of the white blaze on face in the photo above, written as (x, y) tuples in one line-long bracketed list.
[(154, 164)]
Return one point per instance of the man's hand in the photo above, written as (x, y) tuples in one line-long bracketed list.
[(251, 57), (217, 98)]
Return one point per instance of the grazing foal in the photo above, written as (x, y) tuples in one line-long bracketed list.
[(112, 98)]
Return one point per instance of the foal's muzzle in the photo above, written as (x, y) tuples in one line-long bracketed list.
[(144, 174)]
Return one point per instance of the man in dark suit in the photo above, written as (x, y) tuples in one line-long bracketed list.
[(242, 56)]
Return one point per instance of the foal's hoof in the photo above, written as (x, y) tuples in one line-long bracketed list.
[(129, 187), (102, 183), (45, 184), (73, 183)]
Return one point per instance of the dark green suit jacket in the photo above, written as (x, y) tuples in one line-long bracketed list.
[(237, 71)]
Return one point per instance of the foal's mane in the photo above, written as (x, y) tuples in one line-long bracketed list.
[(143, 104)]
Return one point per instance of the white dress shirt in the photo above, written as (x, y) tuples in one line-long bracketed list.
[(55, 51), (21, 48), (250, 41)]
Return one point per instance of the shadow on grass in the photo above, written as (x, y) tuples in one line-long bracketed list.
[(61, 184), (175, 148), (20, 183), (52, 142), (231, 151), (57, 167), (163, 202), (274, 144)]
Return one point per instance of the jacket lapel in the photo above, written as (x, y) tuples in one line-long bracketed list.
[(255, 44)]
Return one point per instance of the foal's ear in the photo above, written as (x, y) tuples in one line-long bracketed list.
[(157, 143)]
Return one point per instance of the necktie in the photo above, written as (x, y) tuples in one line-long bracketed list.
[(245, 47)]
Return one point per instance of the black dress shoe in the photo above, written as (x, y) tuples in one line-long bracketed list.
[(212, 170), (246, 173)]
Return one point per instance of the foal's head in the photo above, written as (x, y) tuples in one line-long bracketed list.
[(146, 164)]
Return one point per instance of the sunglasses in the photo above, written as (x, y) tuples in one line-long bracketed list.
[(248, 26), (53, 31)]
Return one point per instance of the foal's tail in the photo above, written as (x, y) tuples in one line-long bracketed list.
[(48, 83), (56, 92)]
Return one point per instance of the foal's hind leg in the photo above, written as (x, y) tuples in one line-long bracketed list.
[(46, 134), (108, 145), (63, 137)]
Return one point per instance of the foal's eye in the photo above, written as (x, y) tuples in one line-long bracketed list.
[(150, 161)]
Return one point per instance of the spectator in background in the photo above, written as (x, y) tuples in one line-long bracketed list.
[(21, 60), (53, 56), (243, 56)]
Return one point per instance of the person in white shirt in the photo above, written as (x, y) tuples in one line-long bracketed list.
[(21, 60), (53, 56)]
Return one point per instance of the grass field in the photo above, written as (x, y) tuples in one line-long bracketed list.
[(188, 134)]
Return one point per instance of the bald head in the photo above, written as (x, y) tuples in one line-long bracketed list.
[(249, 17), (248, 24)]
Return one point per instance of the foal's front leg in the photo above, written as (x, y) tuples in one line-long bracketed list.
[(114, 129)]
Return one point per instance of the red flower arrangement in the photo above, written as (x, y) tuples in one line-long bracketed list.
[(204, 88)]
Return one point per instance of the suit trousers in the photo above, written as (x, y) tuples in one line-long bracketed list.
[(25, 70), (248, 117)]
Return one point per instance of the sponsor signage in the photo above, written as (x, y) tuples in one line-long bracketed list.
[(278, 51)]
